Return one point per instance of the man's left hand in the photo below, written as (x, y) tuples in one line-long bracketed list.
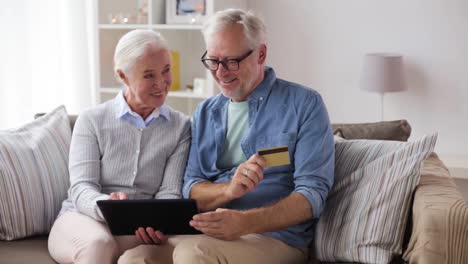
[(223, 224)]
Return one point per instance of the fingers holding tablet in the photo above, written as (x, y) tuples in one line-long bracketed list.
[(150, 236), (118, 196)]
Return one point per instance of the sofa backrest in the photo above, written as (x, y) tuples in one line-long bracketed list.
[(399, 130)]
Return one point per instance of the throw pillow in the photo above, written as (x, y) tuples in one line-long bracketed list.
[(33, 175), (367, 209)]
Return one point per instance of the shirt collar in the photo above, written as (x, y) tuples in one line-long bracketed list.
[(263, 89), (260, 92), (122, 108)]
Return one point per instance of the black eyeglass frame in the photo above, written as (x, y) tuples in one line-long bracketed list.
[(224, 62)]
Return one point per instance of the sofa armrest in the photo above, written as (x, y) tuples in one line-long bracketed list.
[(440, 218)]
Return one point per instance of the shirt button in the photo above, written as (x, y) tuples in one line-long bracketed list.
[(137, 151), (261, 98), (134, 173)]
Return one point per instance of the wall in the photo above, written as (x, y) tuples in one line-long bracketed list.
[(321, 43)]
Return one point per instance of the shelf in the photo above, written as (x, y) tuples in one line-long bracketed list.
[(187, 94), (123, 26), (177, 26), (186, 39), (155, 26), (177, 94)]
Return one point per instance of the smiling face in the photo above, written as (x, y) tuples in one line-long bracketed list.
[(230, 43), (148, 81)]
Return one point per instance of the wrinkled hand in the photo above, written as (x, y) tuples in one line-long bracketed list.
[(150, 236), (118, 196), (223, 224), (247, 177)]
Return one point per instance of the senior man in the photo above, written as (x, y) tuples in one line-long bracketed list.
[(252, 213)]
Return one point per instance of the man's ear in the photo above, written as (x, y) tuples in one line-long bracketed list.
[(122, 76), (262, 52)]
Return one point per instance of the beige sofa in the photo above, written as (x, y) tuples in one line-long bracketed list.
[(437, 229)]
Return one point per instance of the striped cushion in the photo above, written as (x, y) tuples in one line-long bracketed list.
[(33, 175), (366, 211)]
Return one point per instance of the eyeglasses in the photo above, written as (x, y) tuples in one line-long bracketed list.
[(228, 64)]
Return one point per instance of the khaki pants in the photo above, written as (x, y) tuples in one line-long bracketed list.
[(253, 248), (78, 238)]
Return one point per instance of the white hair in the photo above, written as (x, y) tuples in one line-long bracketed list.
[(133, 45), (254, 28)]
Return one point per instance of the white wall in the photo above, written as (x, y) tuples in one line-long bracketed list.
[(321, 43)]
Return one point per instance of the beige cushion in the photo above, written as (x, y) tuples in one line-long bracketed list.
[(399, 130), (33, 175), (366, 211), (440, 219)]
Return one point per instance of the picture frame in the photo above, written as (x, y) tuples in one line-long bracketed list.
[(187, 11)]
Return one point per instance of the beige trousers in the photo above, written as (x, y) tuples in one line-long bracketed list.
[(253, 248), (78, 238)]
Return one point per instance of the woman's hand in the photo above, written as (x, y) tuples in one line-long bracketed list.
[(118, 196), (150, 236)]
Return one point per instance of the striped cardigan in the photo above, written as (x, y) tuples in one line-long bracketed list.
[(108, 154)]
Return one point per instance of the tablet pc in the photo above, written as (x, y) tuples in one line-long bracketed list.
[(170, 216)]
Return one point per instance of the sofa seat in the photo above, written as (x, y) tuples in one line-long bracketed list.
[(438, 231), (30, 250)]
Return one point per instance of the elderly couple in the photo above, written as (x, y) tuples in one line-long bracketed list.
[(134, 146)]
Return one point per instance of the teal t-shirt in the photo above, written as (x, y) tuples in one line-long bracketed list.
[(237, 126)]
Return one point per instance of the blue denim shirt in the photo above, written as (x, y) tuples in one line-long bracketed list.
[(280, 113)]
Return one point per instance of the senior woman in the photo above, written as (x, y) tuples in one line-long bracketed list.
[(131, 147)]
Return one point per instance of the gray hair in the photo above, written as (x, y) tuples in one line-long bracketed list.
[(133, 45), (254, 28)]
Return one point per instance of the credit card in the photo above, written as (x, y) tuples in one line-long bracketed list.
[(277, 156)]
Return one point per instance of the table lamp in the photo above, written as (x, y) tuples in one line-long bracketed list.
[(383, 73)]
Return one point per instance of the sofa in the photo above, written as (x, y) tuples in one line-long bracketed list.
[(435, 230)]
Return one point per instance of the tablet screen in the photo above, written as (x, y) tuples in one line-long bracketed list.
[(170, 216)]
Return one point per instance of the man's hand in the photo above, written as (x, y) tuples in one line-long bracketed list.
[(223, 224), (247, 177), (150, 236), (229, 224)]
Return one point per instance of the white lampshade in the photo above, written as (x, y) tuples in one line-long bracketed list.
[(383, 73)]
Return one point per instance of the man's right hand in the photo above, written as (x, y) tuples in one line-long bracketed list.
[(247, 177)]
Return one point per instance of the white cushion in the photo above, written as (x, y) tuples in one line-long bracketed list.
[(367, 209), (33, 174)]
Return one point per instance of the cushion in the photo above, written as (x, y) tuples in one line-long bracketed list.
[(399, 130), (33, 175), (72, 119), (366, 211)]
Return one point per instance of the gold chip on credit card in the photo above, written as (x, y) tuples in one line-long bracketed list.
[(276, 156)]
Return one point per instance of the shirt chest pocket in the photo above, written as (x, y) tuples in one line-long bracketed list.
[(277, 140)]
